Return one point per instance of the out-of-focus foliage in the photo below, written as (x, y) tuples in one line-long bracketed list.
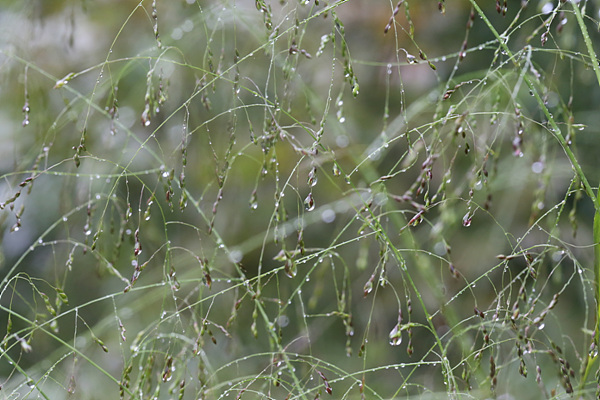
[(296, 199)]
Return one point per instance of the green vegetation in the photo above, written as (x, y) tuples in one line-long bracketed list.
[(299, 199)]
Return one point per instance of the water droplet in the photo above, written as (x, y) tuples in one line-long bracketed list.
[(309, 202), (336, 170), (312, 177), (146, 118), (467, 219), (253, 201), (396, 335)]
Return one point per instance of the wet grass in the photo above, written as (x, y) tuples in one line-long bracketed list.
[(300, 199)]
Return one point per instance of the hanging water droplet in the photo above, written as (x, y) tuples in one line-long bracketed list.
[(467, 219), (290, 268), (312, 177), (368, 288), (396, 336), (309, 202), (145, 119), (336, 170), (253, 201)]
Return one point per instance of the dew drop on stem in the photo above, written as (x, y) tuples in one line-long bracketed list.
[(312, 177), (290, 267), (253, 200), (145, 118), (396, 335), (26, 113), (368, 288), (467, 219), (336, 170), (309, 202)]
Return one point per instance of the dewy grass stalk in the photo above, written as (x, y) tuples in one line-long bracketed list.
[(593, 354), (198, 202)]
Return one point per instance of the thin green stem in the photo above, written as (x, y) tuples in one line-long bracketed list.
[(556, 132), (592, 358), (587, 40)]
